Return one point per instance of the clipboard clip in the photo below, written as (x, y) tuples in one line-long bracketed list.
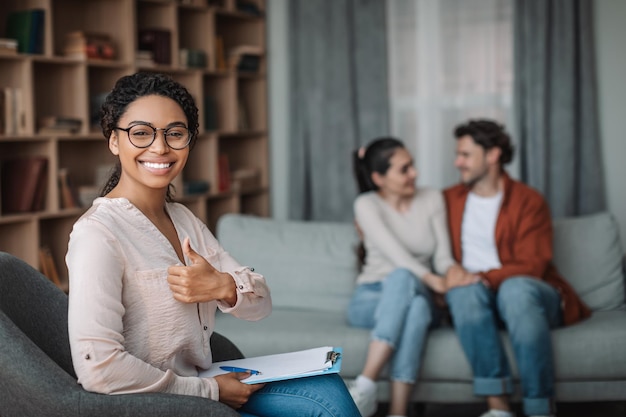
[(333, 356)]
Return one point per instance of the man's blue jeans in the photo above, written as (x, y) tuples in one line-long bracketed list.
[(315, 396), (399, 310), (529, 308)]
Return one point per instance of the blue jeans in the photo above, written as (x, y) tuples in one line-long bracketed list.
[(399, 310), (315, 396), (528, 308)]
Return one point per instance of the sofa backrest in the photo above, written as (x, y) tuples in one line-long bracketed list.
[(311, 265), (589, 254)]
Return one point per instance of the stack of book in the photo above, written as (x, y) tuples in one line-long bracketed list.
[(88, 45), (245, 58), (157, 41), (8, 46), (26, 26), (193, 58), (23, 182), (59, 125), (144, 59)]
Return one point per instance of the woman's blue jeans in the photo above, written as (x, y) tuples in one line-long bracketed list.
[(529, 308), (315, 396), (399, 310)]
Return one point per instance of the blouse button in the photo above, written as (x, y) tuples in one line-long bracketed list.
[(241, 287), (206, 328)]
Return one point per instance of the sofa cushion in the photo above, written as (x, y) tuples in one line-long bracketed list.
[(589, 254), (589, 350), (307, 265)]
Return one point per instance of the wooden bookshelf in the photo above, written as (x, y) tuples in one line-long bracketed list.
[(232, 102)]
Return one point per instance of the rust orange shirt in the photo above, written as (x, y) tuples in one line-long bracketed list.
[(523, 238)]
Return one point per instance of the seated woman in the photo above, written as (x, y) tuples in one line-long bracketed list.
[(404, 232), (147, 276)]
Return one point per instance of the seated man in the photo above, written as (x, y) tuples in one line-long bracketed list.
[(501, 233)]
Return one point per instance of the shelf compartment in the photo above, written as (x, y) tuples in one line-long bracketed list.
[(200, 165), (101, 81), (34, 148), (240, 29), (19, 237), (220, 103), (196, 28), (113, 18), (252, 106), (247, 153), (60, 89), (256, 204), (54, 233), (160, 16), (16, 76), (219, 205), (88, 163)]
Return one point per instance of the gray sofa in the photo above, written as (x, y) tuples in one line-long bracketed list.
[(311, 267)]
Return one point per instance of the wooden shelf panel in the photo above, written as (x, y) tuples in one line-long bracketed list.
[(232, 106)]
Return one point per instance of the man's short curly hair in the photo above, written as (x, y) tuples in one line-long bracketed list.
[(488, 134), (131, 87)]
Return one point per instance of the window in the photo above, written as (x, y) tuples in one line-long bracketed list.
[(449, 60)]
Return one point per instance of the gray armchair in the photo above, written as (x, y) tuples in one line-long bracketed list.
[(36, 373)]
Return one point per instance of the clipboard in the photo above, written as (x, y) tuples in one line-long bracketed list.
[(283, 366)]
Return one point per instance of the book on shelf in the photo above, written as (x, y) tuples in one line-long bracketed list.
[(89, 45), (210, 113), (220, 54), (223, 174), (58, 125), (47, 266), (69, 194), (27, 27), (157, 41), (249, 7), (23, 182), (13, 114), (243, 120)]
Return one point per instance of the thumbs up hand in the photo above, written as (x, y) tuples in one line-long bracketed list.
[(200, 282)]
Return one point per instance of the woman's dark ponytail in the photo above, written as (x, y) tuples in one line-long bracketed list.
[(375, 157)]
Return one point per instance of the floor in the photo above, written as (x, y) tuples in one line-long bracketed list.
[(600, 409)]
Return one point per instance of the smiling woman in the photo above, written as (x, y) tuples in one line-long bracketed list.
[(147, 276)]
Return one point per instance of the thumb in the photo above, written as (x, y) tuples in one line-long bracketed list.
[(241, 375), (190, 253)]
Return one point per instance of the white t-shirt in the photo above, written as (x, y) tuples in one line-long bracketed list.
[(478, 233)]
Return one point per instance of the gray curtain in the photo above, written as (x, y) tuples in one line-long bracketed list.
[(339, 100), (555, 100)]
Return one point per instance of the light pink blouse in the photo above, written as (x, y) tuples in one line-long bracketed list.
[(127, 332)]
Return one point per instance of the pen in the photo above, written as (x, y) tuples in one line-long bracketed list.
[(235, 369)]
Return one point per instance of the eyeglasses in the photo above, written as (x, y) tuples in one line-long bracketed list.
[(143, 135)]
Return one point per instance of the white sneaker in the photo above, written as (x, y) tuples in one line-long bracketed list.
[(365, 402), (490, 414)]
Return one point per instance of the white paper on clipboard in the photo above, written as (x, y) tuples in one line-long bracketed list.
[(278, 367)]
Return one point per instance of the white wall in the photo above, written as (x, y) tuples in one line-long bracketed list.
[(610, 33)]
